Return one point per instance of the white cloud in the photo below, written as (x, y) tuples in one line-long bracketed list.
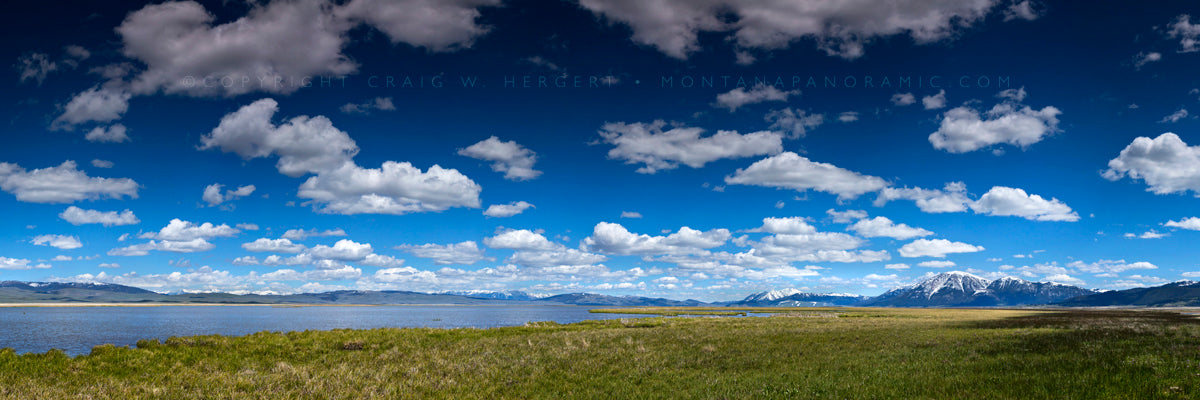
[(936, 101), (848, 116), (1143, 58), (109, 265), (343, 250), (433, 24), (963, 129), (616, 239), (61, 257), (1190, 223), (845, 217), (1150, 234), (839, 28), (35, 66), (93, 105), (795, 122), (936, 248), (78, 216), (738, 97), (376, 104), (563, 261), (937, 264), (514, 160), (98, 163), (1006, 201), (304, 145), (648, 144), (884, 227), (1109, 266), (62, 242), (786, 226), (1021, 10), (630, 214), (273, 245), (465, 253), (521, 239), (108, 134), (61, 184), (313, 145), (212, 194), (899, 266), (1187, 33), (1064, 279), (301, 234), (203, 279), (507, 210), (247, 227), (180, 230), (1166, 164), (1175, 116), (20, 264), (174, 246), (953, 198), (903, 99), (791, 171)]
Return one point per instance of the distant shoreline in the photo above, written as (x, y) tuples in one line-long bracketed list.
[(281, 305)]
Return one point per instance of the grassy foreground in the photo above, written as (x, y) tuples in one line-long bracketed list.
[(852, 353)]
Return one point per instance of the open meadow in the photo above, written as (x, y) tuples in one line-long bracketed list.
[(799, 353)]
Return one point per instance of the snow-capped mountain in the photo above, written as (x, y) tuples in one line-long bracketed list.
[(798, 298), (961, 289), (496, 295), (1174, 294)]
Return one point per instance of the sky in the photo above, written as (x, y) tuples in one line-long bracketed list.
[(681, 149)]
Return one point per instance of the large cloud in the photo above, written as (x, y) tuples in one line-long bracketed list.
[(314, 146), (61, 184), (1006, 201), (839, 28), (936, 248), (94, 105), (793, 171), (613, 238), (884, 227), (180, 230), (1165, 163), (439, 25), (62, 242), (963, 129), (738, 97), (466, 253), (640, 143)]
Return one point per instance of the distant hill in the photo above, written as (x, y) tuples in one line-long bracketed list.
[(961, 289), (589, 299), (1174, 294), (797, 298)]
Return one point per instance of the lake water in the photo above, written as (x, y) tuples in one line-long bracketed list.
[(75, 330)]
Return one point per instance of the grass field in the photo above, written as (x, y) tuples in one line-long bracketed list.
[(801, 353)]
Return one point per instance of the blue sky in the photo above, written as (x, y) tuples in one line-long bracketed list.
[(694, 150)]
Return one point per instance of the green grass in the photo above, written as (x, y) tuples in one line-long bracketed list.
[(830, 353)]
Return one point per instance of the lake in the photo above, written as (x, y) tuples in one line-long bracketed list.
[(75, 330)]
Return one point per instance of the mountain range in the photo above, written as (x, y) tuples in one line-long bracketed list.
[(949, 289)]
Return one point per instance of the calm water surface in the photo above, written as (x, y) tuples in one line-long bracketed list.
[(75, 330)]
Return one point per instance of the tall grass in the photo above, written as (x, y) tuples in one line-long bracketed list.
[(852, 353)]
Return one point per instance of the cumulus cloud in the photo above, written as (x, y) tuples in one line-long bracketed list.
[(1190, 223), (343, 250), (1175, 116), (1166, 164), (376, 104), (845, 217), (534, 250), (963, 129), (92, 105), (1109, 266), (884, 227), (114, 133), (314, 146), (738, 97), (507, 210), (613, 238), (62, 242), (1006, 201), (952, 198), (936, 248), (937, 264), (465, 253), (521, 239), (631, 214), (648, 144), (514, 160), (838, 28), (20, 264), (213, 196), (174, 246), (78, 216), (795, 122), (432, 24), (273, 246), (903, 99), (1187, 33), (62, 184), (180, 230), (792, 171), (935, 101), (786, 226)]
